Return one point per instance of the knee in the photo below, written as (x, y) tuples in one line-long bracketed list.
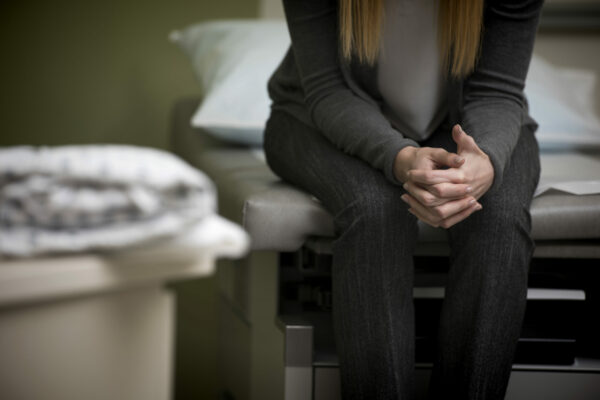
[(375, 210), (500, 241), (507, 217), (503, 222)]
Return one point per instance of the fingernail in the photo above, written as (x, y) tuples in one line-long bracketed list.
[(469, 189), (459, 159), (404, 186), (471, 202), (403, 197), (478, 207)]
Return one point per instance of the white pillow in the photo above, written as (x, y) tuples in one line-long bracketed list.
[(562, 101), (233, 60)]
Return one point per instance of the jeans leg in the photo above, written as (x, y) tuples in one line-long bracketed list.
[(372, 270), (487, 286)]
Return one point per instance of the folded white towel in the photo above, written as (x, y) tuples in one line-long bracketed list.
[(74, 198)]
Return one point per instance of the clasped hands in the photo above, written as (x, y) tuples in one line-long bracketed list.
[(442, 187)]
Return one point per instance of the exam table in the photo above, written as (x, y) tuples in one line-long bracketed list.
[(275, 321)]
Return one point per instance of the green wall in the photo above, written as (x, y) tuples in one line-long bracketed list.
[(96, 70), (103, 71)]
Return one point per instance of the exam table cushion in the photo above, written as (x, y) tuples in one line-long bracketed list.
[(279, 216)]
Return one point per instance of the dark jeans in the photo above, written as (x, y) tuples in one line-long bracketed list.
[(372, 268)]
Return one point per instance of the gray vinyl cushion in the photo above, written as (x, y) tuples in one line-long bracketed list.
[(280, 217)]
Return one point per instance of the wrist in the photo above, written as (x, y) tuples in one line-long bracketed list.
[(489, 166), (490, 169), (404, 161)]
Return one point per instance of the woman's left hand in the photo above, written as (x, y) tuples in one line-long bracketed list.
[(442, 207)]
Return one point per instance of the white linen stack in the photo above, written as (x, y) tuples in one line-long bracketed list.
[(76, 198)]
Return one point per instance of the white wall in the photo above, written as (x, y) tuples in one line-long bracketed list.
[(572, 50)]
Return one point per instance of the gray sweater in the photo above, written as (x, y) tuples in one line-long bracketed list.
[(343, 102)]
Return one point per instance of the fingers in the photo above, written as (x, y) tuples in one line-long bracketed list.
[(463, 141), (448, 190), (435, 176), (437, 194), (423, 196), (457, 133), (456, 218), (444, 215), (446, 159), (439, 213)]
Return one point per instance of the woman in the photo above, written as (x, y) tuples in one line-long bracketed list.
[(366, 106)]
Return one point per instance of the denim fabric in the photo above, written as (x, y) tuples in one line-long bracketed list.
[(372, 268)]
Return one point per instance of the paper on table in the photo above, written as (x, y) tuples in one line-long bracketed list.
[(573, 172), (575, 187)]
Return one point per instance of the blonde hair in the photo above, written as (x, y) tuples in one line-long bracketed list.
[(460, 25)]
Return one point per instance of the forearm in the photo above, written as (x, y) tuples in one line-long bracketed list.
[(360, 129), (354, 124), (494, 105)]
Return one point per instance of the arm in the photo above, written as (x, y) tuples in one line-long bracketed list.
[(353, 124), (492, 112), (494, 105)]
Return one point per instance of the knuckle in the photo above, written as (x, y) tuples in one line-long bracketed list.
[(439, 213), (428, 200)]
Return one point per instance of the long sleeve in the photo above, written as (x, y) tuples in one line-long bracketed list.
[(352, 123), (494, 106)]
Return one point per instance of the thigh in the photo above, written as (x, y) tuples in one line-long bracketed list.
[(371, 266), (487, 283), (499, 234), (303, 156)]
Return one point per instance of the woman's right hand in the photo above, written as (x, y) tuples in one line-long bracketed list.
[(410, 158), (440, 204)]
